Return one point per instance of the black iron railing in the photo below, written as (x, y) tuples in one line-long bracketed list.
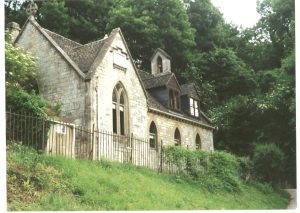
[(59, 138)]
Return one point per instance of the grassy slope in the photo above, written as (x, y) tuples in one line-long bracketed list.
[(39, 182)]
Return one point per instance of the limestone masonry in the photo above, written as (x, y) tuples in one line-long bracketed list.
[(98, 85)]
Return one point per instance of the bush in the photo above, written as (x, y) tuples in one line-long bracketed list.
[(245, 168), (21, 83), (20, 67), (268, 162), (18, 100), (214, 171)]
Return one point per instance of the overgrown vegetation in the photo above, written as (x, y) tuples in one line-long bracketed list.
[(21, 83), (40, 182), (216, 171), (272, 171), (245, 77), (223, 171)]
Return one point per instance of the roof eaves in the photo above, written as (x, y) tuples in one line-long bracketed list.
[(182, 118), (105, 48), (207, 118), (135, 68), (162, 51), (173, 75), (101, 53), (53, 43)]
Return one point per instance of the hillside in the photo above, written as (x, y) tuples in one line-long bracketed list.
[(39, 182)]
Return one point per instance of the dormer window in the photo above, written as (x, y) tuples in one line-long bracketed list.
[(174, 102), (194, 109)]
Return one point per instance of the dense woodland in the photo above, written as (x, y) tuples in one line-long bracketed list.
[(245, 77)]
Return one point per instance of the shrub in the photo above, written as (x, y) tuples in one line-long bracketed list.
[(215, 171), (18, 100), (21, 83), (268, 162), (245, 168), (20, 67)]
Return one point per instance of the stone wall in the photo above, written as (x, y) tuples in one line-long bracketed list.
[(58, 82), (166, 64), (166, 127), (107, 75)]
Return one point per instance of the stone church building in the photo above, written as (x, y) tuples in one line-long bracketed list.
[(99, 85)]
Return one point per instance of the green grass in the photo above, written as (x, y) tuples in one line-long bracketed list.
[(39, 182)]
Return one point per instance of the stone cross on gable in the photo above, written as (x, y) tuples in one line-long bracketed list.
[(31, 8)]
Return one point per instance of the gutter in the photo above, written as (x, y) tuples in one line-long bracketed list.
[(182, 118)]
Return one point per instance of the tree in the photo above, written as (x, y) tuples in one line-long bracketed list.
[(82, 22), (273, 37), (268, 162), (211, 29), (226, 74), (152, 24)]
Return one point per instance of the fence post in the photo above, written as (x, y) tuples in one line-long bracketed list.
[(43, 134), (161, 156), (73, 145), (187, 161), (93, 144), (131, 145)]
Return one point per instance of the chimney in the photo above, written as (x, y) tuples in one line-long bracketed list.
[(14, 30)]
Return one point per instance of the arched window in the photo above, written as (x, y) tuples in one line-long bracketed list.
[(153, 135), (159, 65), (119, 110), (177, 139), (198, 142)]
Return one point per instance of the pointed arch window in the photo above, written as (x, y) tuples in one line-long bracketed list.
[(119, 110), (159, 64), (153, 136), (198, 142), (177, 138)]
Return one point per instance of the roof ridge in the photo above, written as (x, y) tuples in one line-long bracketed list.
[(157, 76), (52, 42), (84, 45), (61, 36), (144, 71), (191, 83), (162, 51)]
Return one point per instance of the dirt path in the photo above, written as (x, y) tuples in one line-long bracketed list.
[(293, 202)]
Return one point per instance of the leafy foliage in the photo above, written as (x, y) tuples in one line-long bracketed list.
[(245, 78), (216, 171), (151, 24), (40, 182), (21, 83), (19, 67), (268, 162)]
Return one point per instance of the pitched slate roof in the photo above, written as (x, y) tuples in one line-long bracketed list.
[(189, 90), (66, 44), (154, 104), (82, 55), (85, 55), (157, 81), (145, 75), (84, 58)]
